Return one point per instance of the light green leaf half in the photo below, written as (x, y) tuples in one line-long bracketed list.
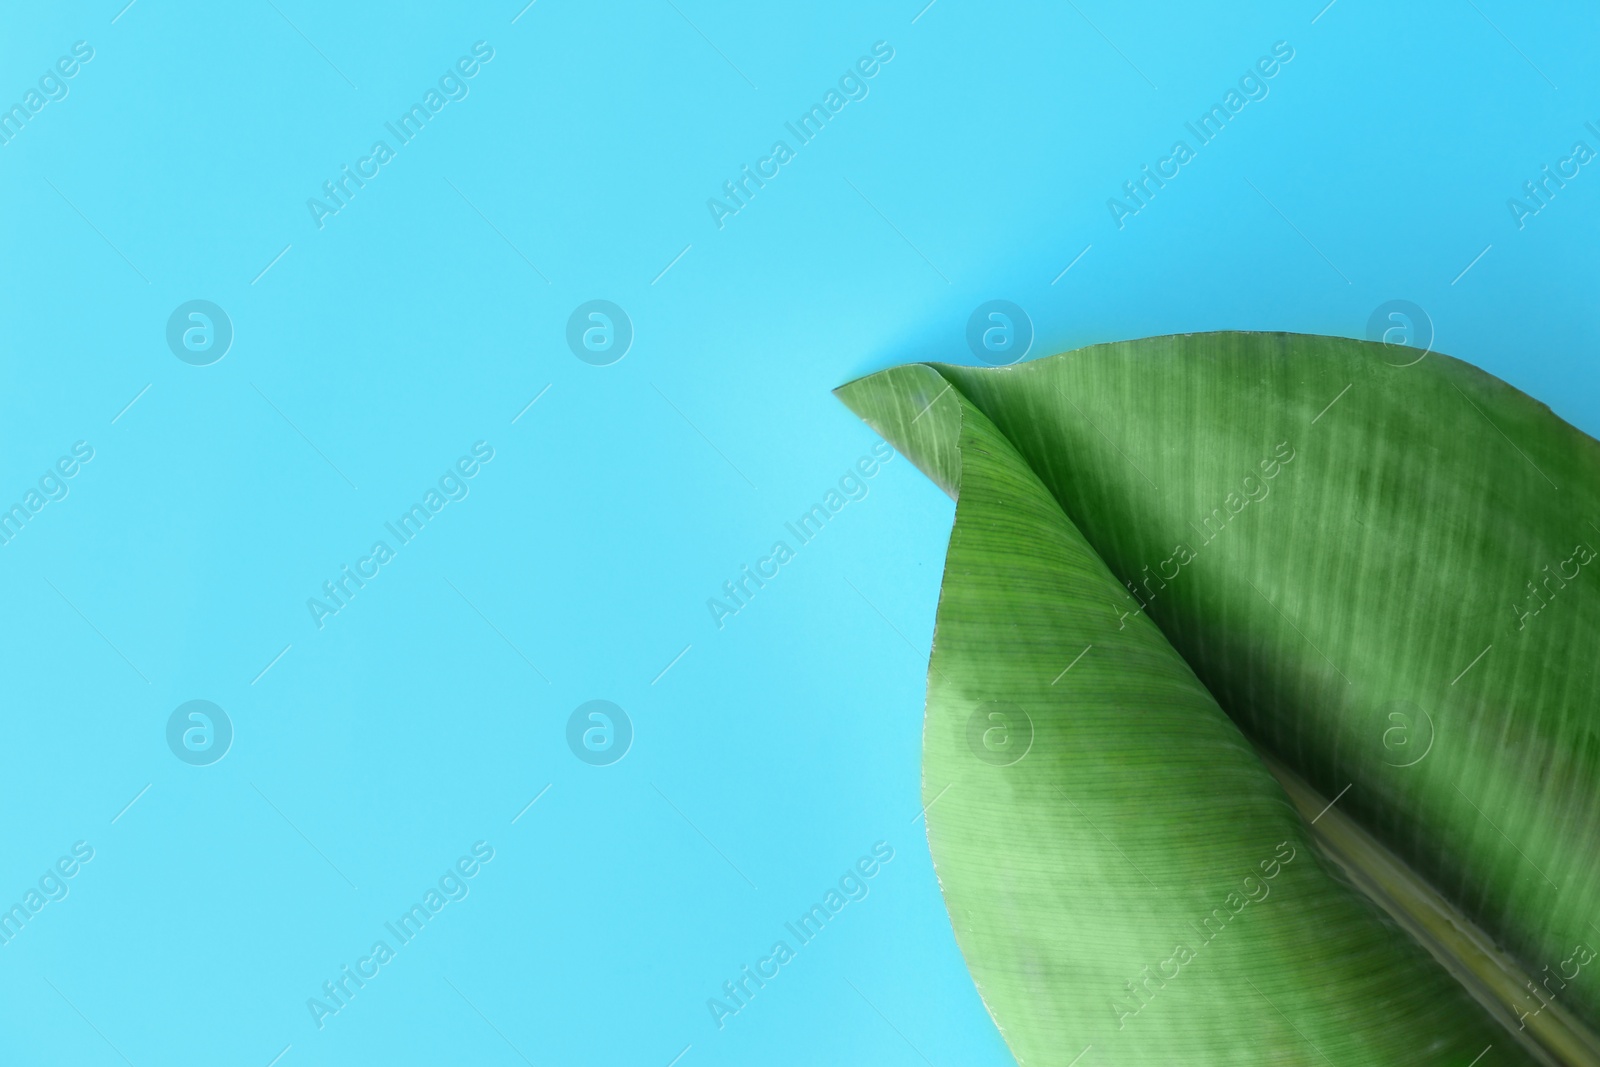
[(1171, 553)]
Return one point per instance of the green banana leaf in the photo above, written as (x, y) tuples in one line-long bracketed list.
[(1261, 714)]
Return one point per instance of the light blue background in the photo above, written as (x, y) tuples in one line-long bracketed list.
[(776, 750)]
